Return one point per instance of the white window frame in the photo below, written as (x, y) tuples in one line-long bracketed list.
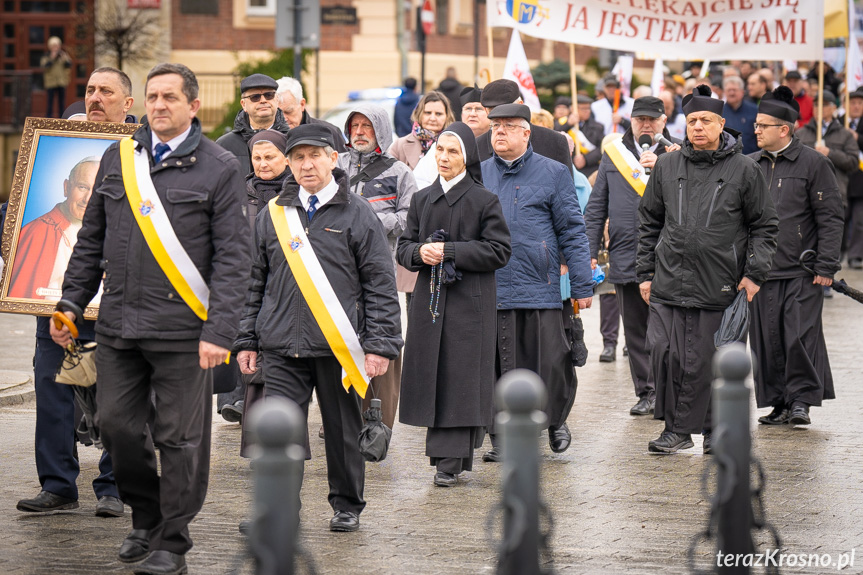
[(268, 10)]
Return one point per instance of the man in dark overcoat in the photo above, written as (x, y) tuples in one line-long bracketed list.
[(448, 375), (792, 368)]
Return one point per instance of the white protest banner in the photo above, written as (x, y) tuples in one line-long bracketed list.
[(623, 72), (657, 79), (673, 29), (517, 69)]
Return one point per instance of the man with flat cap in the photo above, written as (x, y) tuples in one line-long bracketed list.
[(259, 112), (853, 243), (792, 370), (614, 118), (543, 141), (321, 303), (473, 113), (546, 226), (620, 183), (707, 229)]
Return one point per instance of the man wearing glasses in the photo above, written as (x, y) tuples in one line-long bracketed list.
[(473, 113), (259, 112), (615, 197), (541, 209), (793, 371)]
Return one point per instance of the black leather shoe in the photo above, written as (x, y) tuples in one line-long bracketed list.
[(779, 416), (856, 264), (233, 413), (444, 479), (559, 438), (46, 502), (162, 562), (707, 445), (136, 546), (109, 506), (492, 455), (608, 354), (645, 406), (800, 415), (669, 442), (625, 351), (344, 521)]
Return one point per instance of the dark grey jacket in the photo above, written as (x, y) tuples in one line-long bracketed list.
[(201, 189), (613, 199), (843, 150), (807, 200), (351, 246), (237, 140), (706, 220)]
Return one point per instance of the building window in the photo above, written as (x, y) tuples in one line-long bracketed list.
[(442, 17), (260, 7)]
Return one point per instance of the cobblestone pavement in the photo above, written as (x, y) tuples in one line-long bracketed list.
[(616, 509)]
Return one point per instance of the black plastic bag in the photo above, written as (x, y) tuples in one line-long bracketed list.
[(735, 322), (375, 435)]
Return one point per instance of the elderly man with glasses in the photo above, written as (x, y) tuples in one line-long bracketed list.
[(540, 206)]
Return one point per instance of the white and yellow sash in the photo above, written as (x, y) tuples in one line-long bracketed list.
[(627, 164), (158, 232), (320, 296)]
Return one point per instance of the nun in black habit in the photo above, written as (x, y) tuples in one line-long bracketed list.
[(456, 238)]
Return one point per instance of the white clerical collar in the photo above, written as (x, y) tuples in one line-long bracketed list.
[(326, 194), (447, 185), (777, 152), (173, 143)]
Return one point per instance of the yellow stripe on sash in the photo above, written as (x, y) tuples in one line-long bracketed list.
[(633, 178), (133, 194), (335, 339)]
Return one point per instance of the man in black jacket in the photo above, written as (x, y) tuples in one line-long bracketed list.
[(793, 371), (544, 142), (163, 323), (615, 198), (259, 112), (344, 237), (707, 229), (853, 242)]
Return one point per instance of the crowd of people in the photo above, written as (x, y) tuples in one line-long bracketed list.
[(270, 262)]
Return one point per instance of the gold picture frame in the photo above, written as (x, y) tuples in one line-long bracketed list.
[(51, 186)]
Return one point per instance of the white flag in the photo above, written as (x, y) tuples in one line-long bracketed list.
[(657, 82), (855, 64), (518, 70), (789, 65), (623, 72)]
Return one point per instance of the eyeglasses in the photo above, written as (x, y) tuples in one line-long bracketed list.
[(257, 97), (758, 126), (507, 127), (472, 110)]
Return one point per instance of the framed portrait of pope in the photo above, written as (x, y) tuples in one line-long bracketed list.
[(54, 177)]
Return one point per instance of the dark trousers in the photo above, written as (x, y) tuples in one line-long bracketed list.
[(56, 458), (58, 94), (180, 428), (635, 314), (609, 318), (854, 229), (295, 378), (681, 355)]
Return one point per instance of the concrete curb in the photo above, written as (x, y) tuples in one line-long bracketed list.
[(16, 387)]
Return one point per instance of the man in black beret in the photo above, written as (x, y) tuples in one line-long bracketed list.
[(792, 370), (316, 228), (473, 113), (854, 209), (544, 142), (547, 229), (259, 112), (707, 229)]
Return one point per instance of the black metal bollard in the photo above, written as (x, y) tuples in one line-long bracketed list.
[(732, 444), (279, 425), (520, 393)]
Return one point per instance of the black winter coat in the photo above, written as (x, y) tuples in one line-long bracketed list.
[(855, 180), (594, 132), (352, 248), (807, 200), (843, 150), (200, 187), (448, 371), (706, 220), (545, 142), (613, 199), (237, 140)]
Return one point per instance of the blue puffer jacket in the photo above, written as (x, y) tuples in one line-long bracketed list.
[(539, 202)]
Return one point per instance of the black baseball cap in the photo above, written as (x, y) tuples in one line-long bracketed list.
[(648, 106), (309, 135), (793, 75)]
